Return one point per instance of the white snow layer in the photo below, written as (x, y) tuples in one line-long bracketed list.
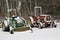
[(37, 34)]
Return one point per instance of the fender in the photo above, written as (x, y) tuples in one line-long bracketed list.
[(31, 19)]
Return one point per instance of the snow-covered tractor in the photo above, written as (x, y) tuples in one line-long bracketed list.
[(15, 24), (46, 21), (33, 19), (41, 21)]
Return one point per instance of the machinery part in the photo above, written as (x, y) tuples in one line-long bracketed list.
[(3, 26), (7, 29), (11, 32), (54, 25), (22, 29), (29, 22)]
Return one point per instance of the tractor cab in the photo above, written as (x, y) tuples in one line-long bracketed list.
[(46, 21), (45, 18), (41, 20)]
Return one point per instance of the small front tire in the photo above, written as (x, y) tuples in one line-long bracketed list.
[(11, 32)]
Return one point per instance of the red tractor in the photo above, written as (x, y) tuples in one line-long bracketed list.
[(41, 21), (34, 19), (46, 21)]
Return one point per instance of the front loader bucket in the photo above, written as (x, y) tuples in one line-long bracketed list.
[(22, 29)]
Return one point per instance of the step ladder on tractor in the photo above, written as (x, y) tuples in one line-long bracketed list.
[(14, 23), (41, 20)]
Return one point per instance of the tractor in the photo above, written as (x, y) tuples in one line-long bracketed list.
[(46, 21), (14, 22), (41, 20), (34, 18)]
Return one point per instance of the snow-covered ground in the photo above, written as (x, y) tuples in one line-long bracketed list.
[(37, 34)]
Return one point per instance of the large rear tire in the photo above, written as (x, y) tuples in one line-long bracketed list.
[(54, 25), (29, 22), (3, 26)]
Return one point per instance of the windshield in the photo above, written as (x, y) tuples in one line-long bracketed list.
[(48, 18)]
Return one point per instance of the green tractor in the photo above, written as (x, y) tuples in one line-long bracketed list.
[(15, 24)]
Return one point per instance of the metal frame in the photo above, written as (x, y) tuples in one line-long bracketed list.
[(36, 8)]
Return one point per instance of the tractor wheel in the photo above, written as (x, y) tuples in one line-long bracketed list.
[(40, 27), (54, 25), (3, 26), (11, 32), (29, 22), (32, 25)]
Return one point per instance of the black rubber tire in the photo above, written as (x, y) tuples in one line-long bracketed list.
[(7, 29), (11, 32), (55, 26), (32, 25), (41, 27)]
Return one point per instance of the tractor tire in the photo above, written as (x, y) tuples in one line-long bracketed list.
[(3, 26), (40, 27), (29, 22), (11, 32), (32, 25), (54, 26), (7, 29)]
